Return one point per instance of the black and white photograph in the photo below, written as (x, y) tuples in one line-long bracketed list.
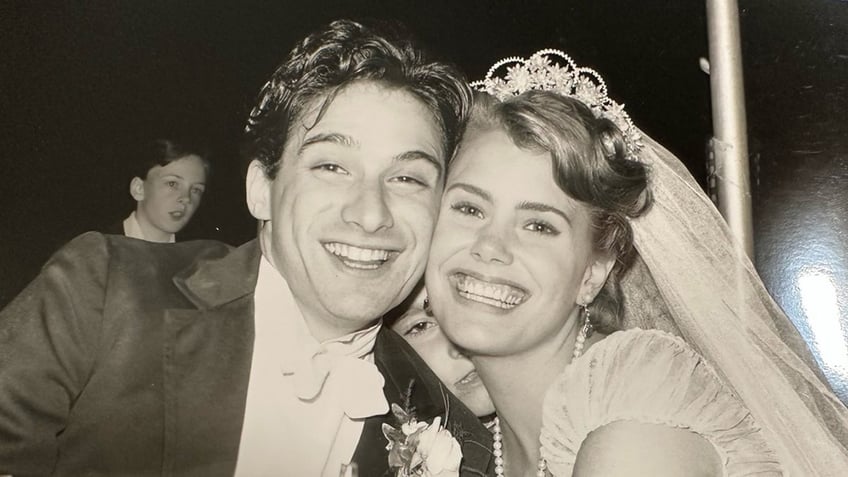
[(353, 238)]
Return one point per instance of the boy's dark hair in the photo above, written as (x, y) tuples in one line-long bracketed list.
[(161, 152)]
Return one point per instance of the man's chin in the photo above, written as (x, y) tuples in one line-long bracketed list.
[(362, 301), (362, 311)]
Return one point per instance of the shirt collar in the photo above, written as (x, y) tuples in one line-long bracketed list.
[(133, 229)]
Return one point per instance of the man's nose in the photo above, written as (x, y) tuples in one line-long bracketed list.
[(368, 209)]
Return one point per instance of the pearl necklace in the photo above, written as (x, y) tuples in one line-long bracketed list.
[(497, 451), (497, 436)]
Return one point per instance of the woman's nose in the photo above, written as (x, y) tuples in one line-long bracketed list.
[(492, 246)]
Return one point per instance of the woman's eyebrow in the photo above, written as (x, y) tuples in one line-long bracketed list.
[(471, 190), (540, 207)]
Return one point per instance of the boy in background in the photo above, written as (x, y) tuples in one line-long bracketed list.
[(168, 187)]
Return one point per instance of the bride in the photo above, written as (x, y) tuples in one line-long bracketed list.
[(530, 273)]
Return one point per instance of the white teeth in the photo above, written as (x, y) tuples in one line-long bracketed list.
[(485, 300), (356, 257), (493, 294), (361, 266)]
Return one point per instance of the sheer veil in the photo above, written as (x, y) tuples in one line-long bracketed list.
[(692, 280)]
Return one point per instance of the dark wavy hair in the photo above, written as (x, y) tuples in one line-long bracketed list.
[(589, 164), (338, 55)]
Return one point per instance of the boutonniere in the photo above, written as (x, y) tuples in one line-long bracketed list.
[(421, 449)]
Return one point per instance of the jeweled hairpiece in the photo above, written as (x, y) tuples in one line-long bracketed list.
[(553, 70)]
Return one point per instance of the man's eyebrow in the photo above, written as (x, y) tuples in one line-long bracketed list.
[(348, 141), (471, 190), (416, 155), (332, 138), (540, 207)]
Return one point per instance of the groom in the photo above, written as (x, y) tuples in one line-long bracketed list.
[(130, 358)]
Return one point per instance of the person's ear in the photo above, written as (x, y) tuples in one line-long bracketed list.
[(258, 190), (595, 277), (137, 189)]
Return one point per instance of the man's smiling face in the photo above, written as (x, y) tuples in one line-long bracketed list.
[(351, 211)]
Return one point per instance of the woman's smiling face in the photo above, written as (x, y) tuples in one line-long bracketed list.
[(511, 253)]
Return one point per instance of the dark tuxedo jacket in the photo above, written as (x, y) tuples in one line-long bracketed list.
[(125, 357)]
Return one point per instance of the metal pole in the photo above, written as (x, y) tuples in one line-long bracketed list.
[(730, 141)]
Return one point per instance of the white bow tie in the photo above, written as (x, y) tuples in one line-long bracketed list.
[(356, 383)]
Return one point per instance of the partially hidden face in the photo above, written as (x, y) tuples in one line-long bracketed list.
[(351, 211), (453, 368), (511, 253), (171, 194)]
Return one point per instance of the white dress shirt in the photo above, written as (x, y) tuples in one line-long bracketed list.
[(306, 401), (133, 229)]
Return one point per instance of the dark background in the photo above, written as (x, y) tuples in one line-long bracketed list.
[(82, 82)]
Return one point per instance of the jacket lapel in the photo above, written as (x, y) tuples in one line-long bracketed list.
[(216, 279), (405, 371), (207, 357)]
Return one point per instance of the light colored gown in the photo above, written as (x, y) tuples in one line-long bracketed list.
[(652, 377)]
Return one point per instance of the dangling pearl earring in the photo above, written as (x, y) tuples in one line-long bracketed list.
[(585, 331), (427, 309)]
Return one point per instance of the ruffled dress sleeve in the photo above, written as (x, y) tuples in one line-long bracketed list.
[(653, 377)]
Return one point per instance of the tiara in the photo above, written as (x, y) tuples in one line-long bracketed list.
[(553, 70)]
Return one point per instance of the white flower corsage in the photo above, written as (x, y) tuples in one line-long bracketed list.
[(421, 449)]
